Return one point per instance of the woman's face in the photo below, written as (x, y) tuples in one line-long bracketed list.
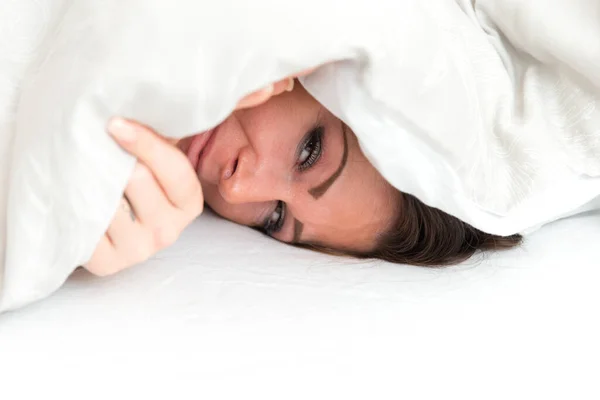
[(294, 170)]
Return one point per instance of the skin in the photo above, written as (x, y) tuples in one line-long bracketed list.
[(250, 165), (340, 202)]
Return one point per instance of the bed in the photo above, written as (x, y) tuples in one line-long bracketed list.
[(227, 313)]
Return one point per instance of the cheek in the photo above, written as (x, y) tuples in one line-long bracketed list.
[(213, 199), (243, 214)]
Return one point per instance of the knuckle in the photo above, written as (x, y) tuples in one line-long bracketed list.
[(182, 171), (101, 270), (104, 272), (196, 206), (165, 236), (194, 199), (142, 251), (92, 268), (141, 173), (198, 195), (199, 209)]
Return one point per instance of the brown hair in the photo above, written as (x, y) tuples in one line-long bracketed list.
[(428, 237)]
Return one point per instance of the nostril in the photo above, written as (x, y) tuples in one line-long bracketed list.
[(231, 169)]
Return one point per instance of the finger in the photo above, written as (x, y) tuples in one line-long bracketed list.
[(264, 95), (147, 198), (129, 238), (105, 260), (285, 85), (256, 98), (153, 210), (168, 164), (261, 96), (128, 208)]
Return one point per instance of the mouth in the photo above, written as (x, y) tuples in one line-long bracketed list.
[(198, 145)]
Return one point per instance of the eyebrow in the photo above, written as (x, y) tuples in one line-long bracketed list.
[(318, 191), (298, 227)]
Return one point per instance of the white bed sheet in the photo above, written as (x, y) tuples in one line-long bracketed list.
[(229, 314)]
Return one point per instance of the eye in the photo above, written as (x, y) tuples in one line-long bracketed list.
[(312, 149), (275, 221)]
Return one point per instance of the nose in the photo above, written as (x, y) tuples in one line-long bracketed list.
[(253, 179)]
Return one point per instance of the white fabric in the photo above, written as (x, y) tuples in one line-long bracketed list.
[(487, 109), (228, 314)]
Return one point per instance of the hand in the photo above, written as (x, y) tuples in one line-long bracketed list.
[(162, 197)]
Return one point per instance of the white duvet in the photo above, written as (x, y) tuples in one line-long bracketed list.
[(487, 110)]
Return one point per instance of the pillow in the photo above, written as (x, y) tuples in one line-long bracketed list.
[(446, 100)]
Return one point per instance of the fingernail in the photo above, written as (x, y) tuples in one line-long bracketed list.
[(121, 129), (290, 87)]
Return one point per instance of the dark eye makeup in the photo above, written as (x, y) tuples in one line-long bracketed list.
[(308, 154), (274, 223), (311, 149)]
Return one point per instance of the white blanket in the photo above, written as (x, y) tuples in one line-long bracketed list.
[(228, 314), (487, 110)]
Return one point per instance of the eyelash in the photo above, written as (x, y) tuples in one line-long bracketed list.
[(271, 227), (314, 142)]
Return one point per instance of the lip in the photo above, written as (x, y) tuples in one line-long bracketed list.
[(207, 146), (197, 146)]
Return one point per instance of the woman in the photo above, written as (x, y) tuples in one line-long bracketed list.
[(287, 167)]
